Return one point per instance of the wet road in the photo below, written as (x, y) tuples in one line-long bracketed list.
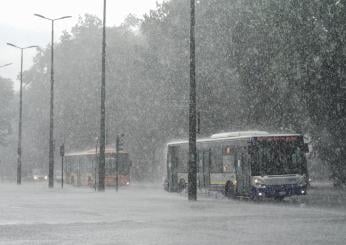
[(33, 214)]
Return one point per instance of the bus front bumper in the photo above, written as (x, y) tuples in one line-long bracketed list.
[(278, 191)]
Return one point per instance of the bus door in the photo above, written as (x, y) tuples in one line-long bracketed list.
[(243, 170), (172, 175), (203, 169)]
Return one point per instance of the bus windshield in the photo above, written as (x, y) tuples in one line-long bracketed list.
[(277, 158)]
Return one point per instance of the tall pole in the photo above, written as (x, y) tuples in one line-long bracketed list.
[(117, 163), (19, 147), (51, 116), (192, 168), (101, 184)]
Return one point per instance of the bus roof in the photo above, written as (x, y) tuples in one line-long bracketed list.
[(233, 136), (108, 150)]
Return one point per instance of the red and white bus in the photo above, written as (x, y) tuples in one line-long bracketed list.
[(81, 168)]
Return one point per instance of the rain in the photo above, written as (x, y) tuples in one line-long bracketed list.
[(173, 122)]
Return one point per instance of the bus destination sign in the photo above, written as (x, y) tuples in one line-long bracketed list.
[(277, 138)]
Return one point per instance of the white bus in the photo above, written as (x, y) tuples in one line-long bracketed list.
[(250, 163)]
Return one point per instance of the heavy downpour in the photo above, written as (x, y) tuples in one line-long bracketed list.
[(173, 122)]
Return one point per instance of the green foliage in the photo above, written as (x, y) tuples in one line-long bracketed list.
[(275, 65), (6, 95)]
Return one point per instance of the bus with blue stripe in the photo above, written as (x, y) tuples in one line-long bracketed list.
[(254, 164)]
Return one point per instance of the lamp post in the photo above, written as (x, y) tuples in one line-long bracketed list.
[(19, 149), (192, 166), (5, 65), (51, 117), (101, 167)]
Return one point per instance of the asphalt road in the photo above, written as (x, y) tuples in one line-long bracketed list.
[(34, 214)]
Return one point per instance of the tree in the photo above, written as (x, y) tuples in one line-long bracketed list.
[(324, 86), (6, 95), (272, 65)]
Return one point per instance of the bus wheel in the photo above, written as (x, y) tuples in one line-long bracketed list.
[(229, 189), (256, 198), (181, 185)]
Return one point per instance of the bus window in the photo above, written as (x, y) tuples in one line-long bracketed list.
[(216, 164), (182, 155), (297, 160), (277, 158), (228, 160)]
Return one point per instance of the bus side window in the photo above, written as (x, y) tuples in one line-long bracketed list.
[(239, 165), (169, 159), (182, 159), (216, 163), (228, 160)]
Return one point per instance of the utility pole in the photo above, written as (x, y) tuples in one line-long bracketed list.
[(101, 184), (51, 114), (19, 149), (192, 166), (62, 154)]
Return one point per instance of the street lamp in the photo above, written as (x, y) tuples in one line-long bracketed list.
[(101, 167), (19, 151), (192, 166), (5, 65), (51, 124)]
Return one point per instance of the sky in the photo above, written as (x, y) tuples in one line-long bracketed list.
[(19, 26)]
